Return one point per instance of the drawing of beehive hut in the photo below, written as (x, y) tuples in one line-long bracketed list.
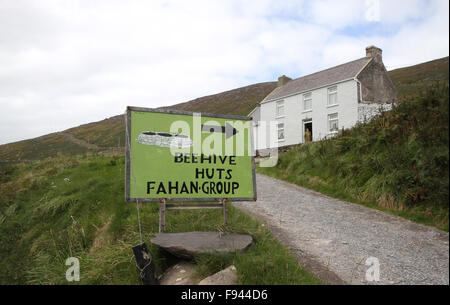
[(164, 139)]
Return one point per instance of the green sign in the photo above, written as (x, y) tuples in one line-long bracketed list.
[(183, 156)]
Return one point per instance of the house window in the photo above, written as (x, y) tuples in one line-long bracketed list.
[(333, 123), (281, 131), (280, 109), (307, 101), (332, 96)]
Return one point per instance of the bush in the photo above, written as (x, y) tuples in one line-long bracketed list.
[(6, 171)]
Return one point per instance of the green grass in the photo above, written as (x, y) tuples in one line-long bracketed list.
[(74, 206), (397, 163)]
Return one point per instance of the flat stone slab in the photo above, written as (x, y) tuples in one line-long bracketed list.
[(187, 245), (226, 276)]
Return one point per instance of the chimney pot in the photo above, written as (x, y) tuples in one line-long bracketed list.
[(375, 52)]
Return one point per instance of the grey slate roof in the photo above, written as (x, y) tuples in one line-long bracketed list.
[(319, 79)]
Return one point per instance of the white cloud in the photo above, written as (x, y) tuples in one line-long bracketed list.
[(337, 14), (400, 11), (64, 63)]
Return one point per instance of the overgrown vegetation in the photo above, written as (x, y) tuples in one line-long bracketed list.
[(74, 206), (398, 162)]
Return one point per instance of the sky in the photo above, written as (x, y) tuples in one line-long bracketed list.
[(67, 63)]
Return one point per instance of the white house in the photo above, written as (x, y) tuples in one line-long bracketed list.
[(324, 102)]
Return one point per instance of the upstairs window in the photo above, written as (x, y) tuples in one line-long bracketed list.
[(307, 101), (333, 123), (280, 131), (280, 109), (332, 96)]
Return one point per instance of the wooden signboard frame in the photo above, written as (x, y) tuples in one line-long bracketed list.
[(207, 203)]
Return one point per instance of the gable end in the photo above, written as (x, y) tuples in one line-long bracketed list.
[(377, 86)]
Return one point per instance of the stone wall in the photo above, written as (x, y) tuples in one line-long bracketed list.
[(377, 86)]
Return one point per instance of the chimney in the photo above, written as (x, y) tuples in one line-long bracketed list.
[(375, 53), (283, 80)]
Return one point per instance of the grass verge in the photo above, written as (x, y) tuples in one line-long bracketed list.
[(397, 162), (74, 206), (432, 217)]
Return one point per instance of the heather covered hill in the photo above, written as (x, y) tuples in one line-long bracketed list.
[(238, 101), (416, 78), (109, 134)]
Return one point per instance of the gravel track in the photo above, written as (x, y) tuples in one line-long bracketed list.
[(340, 236)]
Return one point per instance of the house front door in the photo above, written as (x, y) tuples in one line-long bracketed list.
[(307, 131)]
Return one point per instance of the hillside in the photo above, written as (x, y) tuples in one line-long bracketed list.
[(416, 78), (238, 101), (398, 162), (109, 134)]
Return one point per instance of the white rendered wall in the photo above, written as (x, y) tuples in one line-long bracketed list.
[(347, 109)]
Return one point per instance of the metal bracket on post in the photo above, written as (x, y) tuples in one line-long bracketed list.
[(225, 212), (162, 215)]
